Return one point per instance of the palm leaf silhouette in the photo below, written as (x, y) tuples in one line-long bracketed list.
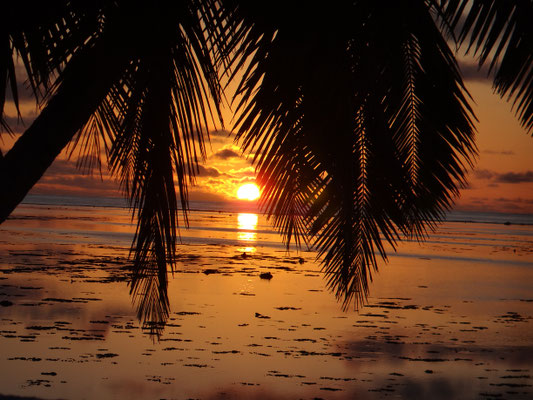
[(32, 34), (160, 113), (361, 133), (356, 114), (151, 96), (499, 33)]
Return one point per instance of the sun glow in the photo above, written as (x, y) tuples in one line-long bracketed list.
[(250, 191), (247, 224)]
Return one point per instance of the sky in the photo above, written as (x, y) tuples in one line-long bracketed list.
[(502, 178), (501, 181)]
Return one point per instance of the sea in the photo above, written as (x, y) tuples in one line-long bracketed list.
[(242, 225), (248, 318), (243, 206)]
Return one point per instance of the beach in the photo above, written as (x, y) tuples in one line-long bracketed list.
[(451, 318)]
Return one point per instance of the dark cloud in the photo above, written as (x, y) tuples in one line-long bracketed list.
[(64, 177), (507, 177), (221, 136), (199, 194), (515, 177), (24, 90), (19, 125), (501, 204), (62, 167), (500, 152), (221, 133), (226, 153), (514, 200), (24, 93), (15, 125), (72, 167), (208, 171), (484, 174), (203, 171), (471, 72)]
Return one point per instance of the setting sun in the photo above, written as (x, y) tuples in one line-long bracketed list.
[(250, 191)]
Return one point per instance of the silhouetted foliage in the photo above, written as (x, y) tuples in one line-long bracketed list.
[(499, 32), (356, 112), (362, 133)]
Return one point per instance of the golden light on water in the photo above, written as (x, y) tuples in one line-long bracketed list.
[(247, 224), (247, 236), (249, 191), (247, 221)]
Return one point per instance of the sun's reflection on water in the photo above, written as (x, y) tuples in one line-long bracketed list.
[(247, 224)]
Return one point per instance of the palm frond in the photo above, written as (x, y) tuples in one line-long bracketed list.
[(8, 79), (44, 37), (150, 112), (361, 134), (371, 126), (499, 32), (160, 110)]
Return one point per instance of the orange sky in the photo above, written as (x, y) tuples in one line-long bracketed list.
[(502, 179)]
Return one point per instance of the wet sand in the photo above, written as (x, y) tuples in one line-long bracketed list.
[(449, 319)]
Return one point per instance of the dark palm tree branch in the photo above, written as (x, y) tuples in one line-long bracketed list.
[(373, 127), (499, 32), (149, 111), (162, 108), (361, 135), (75, 100)]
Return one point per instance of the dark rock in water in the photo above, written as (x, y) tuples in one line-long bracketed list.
[(196, 365), (265, 275), (257, 315), (243, 256), (106, 355), (40, 328), (507, 223), (210, 271), (428, 371), (5, 303), (57, 300)]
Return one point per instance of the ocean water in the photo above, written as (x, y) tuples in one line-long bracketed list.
[(243, 206), (448, 318), (241, 225)]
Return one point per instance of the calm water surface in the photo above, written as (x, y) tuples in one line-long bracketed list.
[(451, 318)]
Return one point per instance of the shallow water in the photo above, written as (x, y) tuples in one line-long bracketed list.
[(451, 318)]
